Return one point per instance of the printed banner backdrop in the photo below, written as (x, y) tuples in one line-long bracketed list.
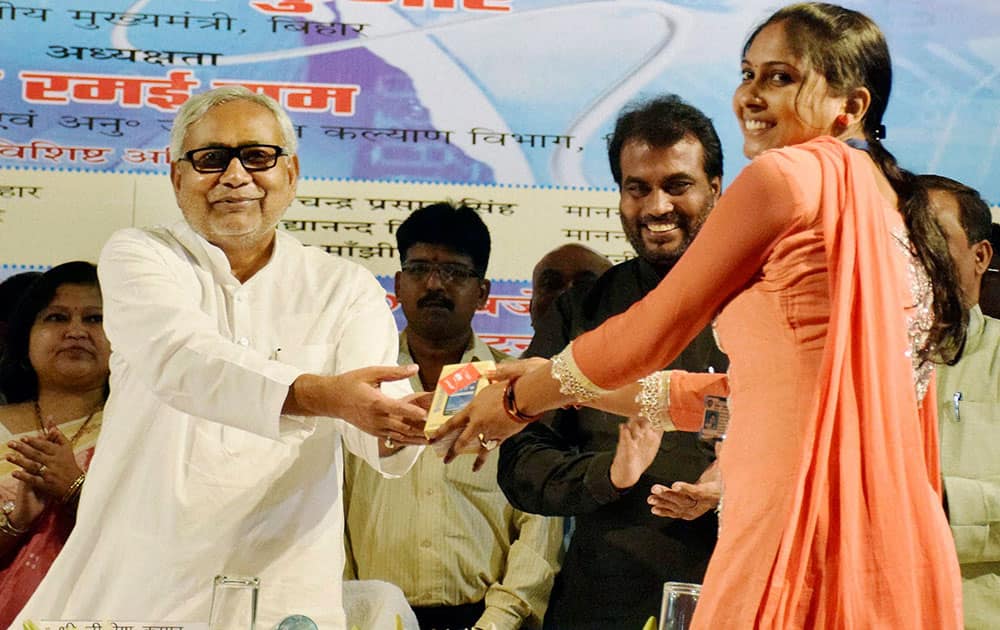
[(398, 103)]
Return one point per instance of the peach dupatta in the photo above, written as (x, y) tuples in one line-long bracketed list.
[(867, 543)]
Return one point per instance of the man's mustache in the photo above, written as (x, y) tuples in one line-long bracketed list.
[(435, 299), (678, 219)]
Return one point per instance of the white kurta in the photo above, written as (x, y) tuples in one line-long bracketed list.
[(196, 473)]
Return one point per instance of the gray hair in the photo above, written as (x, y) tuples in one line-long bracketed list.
[(197, 106)]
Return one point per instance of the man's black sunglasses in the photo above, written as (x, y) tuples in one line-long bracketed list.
[(253, 157)]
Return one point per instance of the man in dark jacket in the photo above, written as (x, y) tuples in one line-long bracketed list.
[(667, 161)]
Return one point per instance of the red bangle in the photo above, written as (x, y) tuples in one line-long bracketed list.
[(510, 406)]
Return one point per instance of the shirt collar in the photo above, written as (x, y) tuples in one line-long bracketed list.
[(649, 275), (212, 257), (477, 350), (977, 324)]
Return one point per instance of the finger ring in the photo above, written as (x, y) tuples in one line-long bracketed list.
[(388, 443), (489, 445), (41, 470)]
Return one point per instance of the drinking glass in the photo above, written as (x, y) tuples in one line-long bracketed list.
[(234, 603), (679, 599), (296, 622)]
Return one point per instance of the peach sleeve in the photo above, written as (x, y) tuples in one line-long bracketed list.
[(754, 213)]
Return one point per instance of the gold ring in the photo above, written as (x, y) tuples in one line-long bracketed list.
[(388, 443), (41, 470), (489, 445)]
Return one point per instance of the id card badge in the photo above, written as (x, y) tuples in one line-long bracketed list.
[(716, 419)]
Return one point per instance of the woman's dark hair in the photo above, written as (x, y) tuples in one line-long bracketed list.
[(849, 50), (12, 289), (18, 379)]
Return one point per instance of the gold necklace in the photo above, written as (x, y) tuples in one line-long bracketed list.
[(79, 432)]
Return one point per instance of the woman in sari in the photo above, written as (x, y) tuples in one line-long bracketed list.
[(831, 290), (54, 374)]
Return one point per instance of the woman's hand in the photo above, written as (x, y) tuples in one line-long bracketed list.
[(515, 369), (28, 506), (489, 400), (48, 465), (484, 423), (480, 427)]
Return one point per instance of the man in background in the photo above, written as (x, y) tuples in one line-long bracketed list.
[(666, 158), (444, 534), (969, 407), (560, 270)]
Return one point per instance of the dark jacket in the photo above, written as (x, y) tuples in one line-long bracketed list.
[(619, 555)]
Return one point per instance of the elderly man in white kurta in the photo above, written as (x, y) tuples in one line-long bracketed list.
[(237, 374)]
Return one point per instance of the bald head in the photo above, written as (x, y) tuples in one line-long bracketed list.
[(559, 270)]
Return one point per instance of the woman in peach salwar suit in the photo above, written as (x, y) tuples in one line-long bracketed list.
[(831, 286)]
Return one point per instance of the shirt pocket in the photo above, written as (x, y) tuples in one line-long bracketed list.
[(302, 329), (971, 442)]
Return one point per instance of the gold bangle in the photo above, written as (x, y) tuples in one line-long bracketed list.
[(74, 489), (510, 406)]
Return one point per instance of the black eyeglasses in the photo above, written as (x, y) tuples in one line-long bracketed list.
[(253, 157), (448, 273)]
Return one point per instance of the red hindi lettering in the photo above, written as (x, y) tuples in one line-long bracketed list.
[(284, 6)]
